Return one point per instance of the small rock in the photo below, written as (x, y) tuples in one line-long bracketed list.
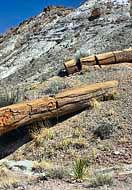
[(117, 153)]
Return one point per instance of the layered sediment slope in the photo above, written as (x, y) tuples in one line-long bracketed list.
[(36, 49)]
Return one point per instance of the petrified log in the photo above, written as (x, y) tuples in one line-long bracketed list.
[(73, 66), (114, 57), (76, 99), (66, 102)]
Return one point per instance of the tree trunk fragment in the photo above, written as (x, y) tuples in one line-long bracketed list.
[(66, 102), (108, 58)]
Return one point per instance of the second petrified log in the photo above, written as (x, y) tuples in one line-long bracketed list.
[(114, 57), (64, 103)]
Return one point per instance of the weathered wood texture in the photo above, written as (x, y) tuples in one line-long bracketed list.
[(114, 57), (73, 66), (66, 102)]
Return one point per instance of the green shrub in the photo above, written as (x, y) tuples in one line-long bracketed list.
[(104, 130)]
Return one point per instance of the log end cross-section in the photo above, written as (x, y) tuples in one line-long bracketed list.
[(16, 115)]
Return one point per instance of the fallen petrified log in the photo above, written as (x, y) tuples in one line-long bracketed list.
[(114, 57), (64, 103)]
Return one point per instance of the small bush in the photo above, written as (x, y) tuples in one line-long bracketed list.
[(55, 86), (114, 95), (57, 173), (101, 180), (10, 95), (104, 130), (79, 168)]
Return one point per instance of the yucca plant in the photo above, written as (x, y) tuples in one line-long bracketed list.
[(79, 168)]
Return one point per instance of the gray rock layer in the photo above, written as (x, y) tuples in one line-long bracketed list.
[(36, 49)]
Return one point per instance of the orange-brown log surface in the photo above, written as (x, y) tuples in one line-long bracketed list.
[(66, 102), (114, 57)]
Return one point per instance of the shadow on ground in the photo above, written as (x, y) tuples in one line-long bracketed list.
[(13, 140), (10, 142)]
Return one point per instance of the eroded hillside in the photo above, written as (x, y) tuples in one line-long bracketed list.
[(45, 154)]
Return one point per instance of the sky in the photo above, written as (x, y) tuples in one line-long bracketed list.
[(12, 12)]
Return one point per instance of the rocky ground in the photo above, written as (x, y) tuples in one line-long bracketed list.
[(44, 155)]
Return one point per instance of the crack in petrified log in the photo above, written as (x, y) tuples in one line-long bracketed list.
[(64, 103), (17, 114), (108, 58)]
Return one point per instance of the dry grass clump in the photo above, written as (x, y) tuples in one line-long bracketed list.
[(10, 95), (66, 143), (58, 173), (45, 134), (101, 180), (40, 130), (95, 104), (55, 86), (7, 178), (51, 170), (42, 165)]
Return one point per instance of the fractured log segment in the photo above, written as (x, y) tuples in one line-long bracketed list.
[(13, 116), (100, 59), (80, 98), (114, 57), (64, 103)]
